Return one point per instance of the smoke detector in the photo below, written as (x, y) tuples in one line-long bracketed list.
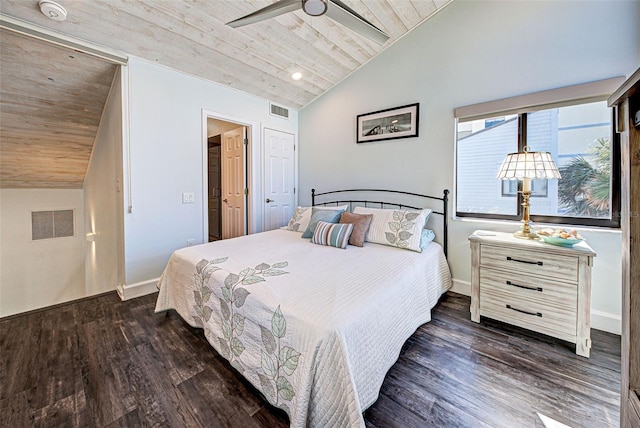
[(53, 10)]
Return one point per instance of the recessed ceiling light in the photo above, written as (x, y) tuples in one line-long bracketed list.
[(53, 10), (296, 76)]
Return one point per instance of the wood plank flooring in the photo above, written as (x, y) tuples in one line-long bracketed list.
[(105, 363)]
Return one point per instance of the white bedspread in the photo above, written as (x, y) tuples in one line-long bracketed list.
[(314, 328)]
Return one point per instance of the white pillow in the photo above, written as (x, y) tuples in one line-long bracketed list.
[(396, 228), (301, 216)]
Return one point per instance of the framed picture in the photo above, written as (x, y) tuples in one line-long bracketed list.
[(389, 124)]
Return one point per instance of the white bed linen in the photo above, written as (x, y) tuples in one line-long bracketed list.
[(347, 313)]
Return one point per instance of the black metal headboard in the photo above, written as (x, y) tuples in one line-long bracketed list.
[(382, 204)]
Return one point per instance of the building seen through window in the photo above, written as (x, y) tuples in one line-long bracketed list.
[(579, 139)]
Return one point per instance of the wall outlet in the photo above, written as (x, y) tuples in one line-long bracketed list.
[(188, 197), (191, 242)]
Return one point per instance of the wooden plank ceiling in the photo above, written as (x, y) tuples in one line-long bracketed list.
[(51, 101), (190, 36)]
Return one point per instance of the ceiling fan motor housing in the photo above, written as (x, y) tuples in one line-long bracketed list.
[(315, 7)]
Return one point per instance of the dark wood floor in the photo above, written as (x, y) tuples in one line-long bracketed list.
[(103, 362)]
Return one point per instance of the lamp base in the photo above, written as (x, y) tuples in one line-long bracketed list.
[(525, 235)]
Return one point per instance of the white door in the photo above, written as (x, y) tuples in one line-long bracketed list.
[(279, 178), (233, 183)]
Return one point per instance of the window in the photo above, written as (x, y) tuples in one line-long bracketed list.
[(580, 139), (538, 188), (51, 224)]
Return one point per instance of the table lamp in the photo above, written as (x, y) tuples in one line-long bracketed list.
[(527, 166)]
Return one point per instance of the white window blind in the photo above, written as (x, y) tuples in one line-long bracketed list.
[(569, 95)]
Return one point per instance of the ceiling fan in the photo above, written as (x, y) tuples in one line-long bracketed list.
[(334, 9)]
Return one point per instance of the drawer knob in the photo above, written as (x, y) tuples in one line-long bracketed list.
[(509, 258), (537, 314), (524, 286)]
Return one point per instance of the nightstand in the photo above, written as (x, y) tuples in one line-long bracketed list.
[(534, 285)]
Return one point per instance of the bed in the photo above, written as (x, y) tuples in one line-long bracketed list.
[(314, 328)]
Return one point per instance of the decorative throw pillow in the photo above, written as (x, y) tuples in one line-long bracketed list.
[(300, 219), (361, 223), (332, 234), (396, 228), (330, 216), (301, 216)]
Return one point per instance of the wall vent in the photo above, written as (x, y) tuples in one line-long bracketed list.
[(279, 111), (51, 224)]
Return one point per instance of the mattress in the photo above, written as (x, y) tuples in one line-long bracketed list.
[(313, 328)]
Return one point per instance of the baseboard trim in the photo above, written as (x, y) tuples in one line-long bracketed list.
[(139, 289), (600, 320), (461, 287), (606, 321)]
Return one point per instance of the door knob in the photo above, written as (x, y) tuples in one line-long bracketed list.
[(269, 200), (225, 200)]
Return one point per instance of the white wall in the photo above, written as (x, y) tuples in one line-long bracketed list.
[(34, 274), (470, 52), (103, 199), (165, 155)]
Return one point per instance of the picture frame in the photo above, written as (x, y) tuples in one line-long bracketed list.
[(389, 124)]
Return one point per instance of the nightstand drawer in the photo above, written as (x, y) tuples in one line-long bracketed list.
[(555, 295), (531, 314), (555, 266)]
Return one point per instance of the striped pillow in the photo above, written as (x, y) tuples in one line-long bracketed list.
[(332, 234)]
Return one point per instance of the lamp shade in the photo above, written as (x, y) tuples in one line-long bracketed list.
[(526, 164)]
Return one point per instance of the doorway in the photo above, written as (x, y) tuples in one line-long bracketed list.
[(227, 179)]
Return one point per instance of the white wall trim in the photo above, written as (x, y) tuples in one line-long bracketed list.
[(54, 37), (461, 287), (131, 291), (600, 320), (605, 321)]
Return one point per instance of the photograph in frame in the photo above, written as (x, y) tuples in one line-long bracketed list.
[(389, 124)]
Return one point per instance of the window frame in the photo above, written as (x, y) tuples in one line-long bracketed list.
[(612, 222)]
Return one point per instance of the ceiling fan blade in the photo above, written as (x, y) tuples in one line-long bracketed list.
[(348, 17), (275, 9)]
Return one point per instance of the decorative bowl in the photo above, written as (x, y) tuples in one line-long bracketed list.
[(563, 242)]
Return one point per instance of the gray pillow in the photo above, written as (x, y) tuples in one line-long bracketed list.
[(330, 216)]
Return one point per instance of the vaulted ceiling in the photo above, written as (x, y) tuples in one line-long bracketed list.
[(51, 101), (190, 36)]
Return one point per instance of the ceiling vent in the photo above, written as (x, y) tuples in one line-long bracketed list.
[(279, 111)]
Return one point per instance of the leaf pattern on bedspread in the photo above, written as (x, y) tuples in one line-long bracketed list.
[(399, 234), (234, 296), (202, 293), (277, 359)]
